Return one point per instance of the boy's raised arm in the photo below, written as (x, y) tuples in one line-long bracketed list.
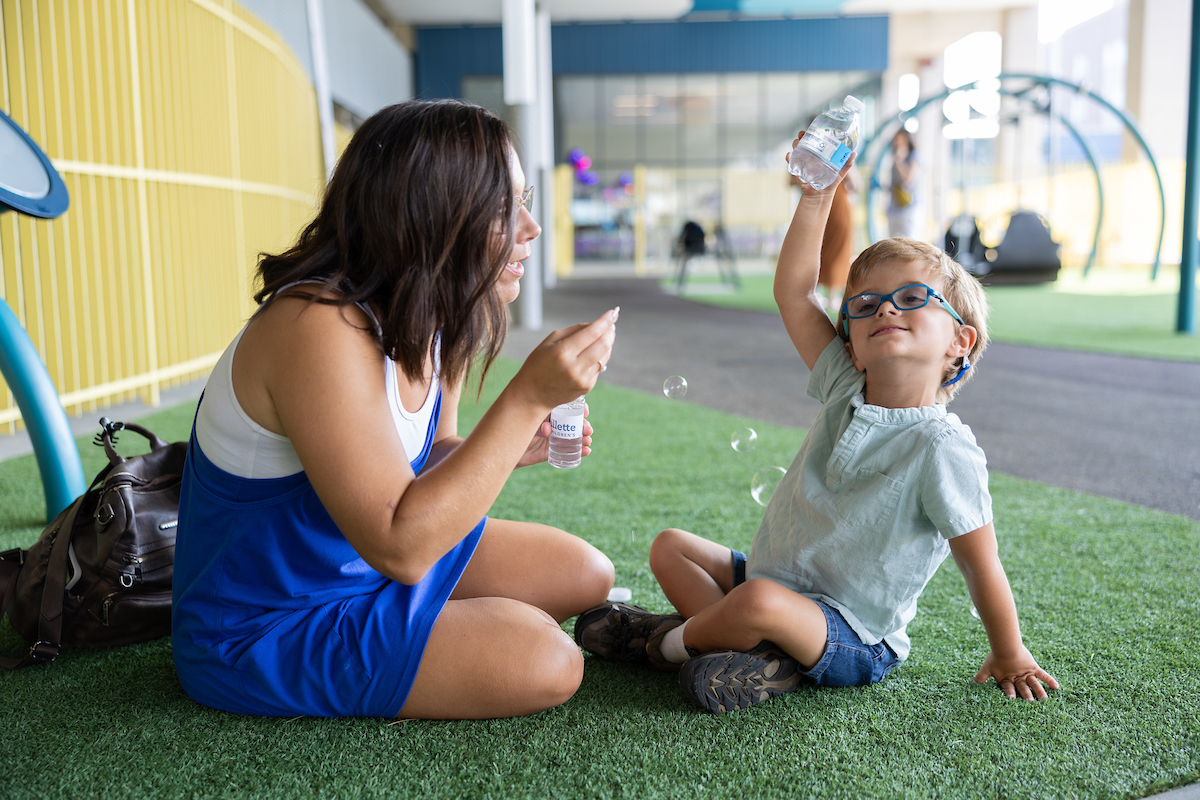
[(798, 267)]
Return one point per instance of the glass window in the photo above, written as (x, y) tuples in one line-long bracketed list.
[(700, 103), (624, 109)]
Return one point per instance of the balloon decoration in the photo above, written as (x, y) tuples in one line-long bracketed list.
[(582, 164)]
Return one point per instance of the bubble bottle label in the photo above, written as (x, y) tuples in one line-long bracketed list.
[(831, 151), (566, 434)]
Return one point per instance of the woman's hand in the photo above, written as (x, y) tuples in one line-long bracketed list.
[(539, 448), (565, 366)]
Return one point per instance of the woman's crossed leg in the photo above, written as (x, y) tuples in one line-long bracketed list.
[(497, 649)]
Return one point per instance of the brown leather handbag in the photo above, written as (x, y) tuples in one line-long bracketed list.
[(100, 574)]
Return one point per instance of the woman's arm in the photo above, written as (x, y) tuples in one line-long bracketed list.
[(1009, 662), (906, 169), (446, 439), (323, 377)]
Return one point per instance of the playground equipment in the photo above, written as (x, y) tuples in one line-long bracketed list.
[(30, 185), (1024, 94)]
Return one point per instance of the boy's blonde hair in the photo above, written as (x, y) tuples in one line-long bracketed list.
[(961, 290)]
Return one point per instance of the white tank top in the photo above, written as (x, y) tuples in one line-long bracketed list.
[(242, 447)]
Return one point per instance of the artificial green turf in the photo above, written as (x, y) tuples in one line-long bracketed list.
[(1109, 595), (1126, 324)]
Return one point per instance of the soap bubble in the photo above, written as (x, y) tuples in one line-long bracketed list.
[(763, 484), (675, 386), (744, 440)]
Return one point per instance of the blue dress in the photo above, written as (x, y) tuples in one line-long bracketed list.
[(275, 614)]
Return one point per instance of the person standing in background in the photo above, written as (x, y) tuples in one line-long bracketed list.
[(902, 209)]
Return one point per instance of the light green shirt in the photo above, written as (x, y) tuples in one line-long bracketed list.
[(862, 518)]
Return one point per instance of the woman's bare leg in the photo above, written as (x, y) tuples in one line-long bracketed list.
[(559, 573), (490, 657), (497, 649)]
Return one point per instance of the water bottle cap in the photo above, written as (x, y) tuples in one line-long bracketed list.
[(853, 103)]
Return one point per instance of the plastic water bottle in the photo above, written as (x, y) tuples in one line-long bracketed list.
[(827, 144), (566, 434)]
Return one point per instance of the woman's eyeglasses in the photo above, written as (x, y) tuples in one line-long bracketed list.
[(525, 199)]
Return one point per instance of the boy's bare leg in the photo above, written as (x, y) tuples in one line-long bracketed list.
[(756, 610), (697, 577), (693, 572)]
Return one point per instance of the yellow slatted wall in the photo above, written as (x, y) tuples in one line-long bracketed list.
[(187, 136)]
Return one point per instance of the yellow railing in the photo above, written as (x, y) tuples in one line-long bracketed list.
[(187, 136)]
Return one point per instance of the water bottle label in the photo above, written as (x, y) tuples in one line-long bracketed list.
[(830, 150), (570, 428)]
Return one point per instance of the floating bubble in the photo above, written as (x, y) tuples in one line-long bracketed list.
[(744, 440), (763, 484), (619, 594), (975, 613), (675, 386)]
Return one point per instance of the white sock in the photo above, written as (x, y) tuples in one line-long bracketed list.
[(672, 648)]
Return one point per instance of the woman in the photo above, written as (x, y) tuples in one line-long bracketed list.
[(837, 246), (902, 208), (333, 557)]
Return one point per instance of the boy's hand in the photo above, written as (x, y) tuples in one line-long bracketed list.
[(1018, 675), (806, 189)]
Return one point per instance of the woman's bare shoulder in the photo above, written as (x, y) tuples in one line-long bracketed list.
[(294, 321), (295, 350)]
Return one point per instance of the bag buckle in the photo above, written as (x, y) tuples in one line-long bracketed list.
[(44, 652), (16, 554)]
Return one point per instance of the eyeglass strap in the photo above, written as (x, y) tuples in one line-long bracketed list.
[(966, 365)]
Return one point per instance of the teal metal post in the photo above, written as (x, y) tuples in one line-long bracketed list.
[(1186, 319), (57, 457)]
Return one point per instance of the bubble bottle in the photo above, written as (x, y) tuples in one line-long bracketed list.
[(566, 434), (827, 144)]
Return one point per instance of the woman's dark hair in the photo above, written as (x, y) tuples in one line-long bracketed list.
[(417, 222), (908, 137)]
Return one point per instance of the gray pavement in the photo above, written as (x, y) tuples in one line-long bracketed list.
[(1115, 426)]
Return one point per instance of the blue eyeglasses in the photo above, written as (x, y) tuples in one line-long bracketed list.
[(906, 298)]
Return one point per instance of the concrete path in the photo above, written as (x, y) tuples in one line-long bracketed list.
[(1120, 427)]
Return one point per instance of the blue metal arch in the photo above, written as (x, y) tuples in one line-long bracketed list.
[(54, 202), (1083, 145), (1043, 80), (22, 367)]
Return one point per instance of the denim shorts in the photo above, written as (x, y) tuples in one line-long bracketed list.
[(846, 661)]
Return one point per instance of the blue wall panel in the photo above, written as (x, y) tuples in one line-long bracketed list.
[(833, 44), (445, 55)]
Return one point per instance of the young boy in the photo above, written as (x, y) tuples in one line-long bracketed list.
[(885, 486)]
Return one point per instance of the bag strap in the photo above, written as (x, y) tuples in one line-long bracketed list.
[(109, 431), (49, 635)]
